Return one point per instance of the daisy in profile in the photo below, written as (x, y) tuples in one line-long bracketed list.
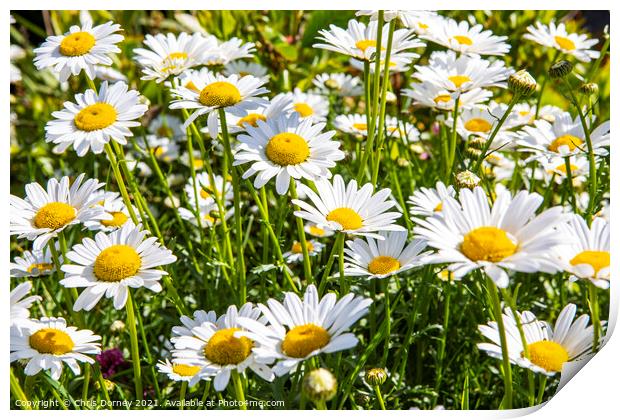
[(95, 118), (208, 213), (429, 201), (314, 230), (480, 120), (246, 68), (420, 21), (374, 259), (81, 48), (564, 137), (355, 124), (281, 104), (430, 95), (163, 148), (401, 130), (109, 74), (207, 93), (346, 208), (471, 234), (111, 263), (556, 36), (388, 15), (48, 343), (548, 348), (167, 127), (587, 256), (207, 191), (35, 263), (462, 73), (116, 212), (462, 38), (307, 105), (179, 372), (169, 55), (360, 41), (340, 84), (398, 64), (287, 147), (579, 166), (221, 53), (299, 330), (295, 254), (216, 347), (44, 213), (21, 303)]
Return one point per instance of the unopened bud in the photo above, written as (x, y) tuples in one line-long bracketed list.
[(320, 385), (560, 69), (117, 325), (376, 376), (473, 152), (477, 143), (589, 89), (522, 83), (467, 179)]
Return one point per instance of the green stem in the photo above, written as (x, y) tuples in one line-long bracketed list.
[(18, 392), (379, 396), (344, 286), (569, 181), (182, 395), (135, 353), (302, 235), (594, 311), (330, 262), (239, 389), (120, 182), (441, 351)]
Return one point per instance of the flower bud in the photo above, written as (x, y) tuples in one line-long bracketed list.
[(589, 89), (376, 376), (473, 152), (467, 179), (477, 143), (332, 84), (117, 326), (560, 69), (319, 385), (522, 83)]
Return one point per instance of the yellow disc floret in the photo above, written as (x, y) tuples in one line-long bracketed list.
[(118, 219), (303, 109), (304, 339), (51, 341), (572, 142), (296, 248), (251, 119), (116, 263), (287, 149), (40, 267), (364, 44), (220, 95), (348, 218), (383, 265), (95, 117), (565, 43), (54, 215), (487, 243), (548, 355), (596, 259), (185, 370), (478, 125), (443, 98), (224, 348), (360, 126), (77, 43), (458, 80), (463, 40)]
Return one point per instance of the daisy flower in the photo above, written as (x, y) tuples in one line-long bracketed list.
[(296, 254), (48, 343), (429, 201), (109, 74), (287, 147), (164, 149), (217, 348), (548, 347), (346, 208), (374, 259), (168, 55), (360, 41), (44, 213), (430, 95), (208, 192), (579, 167), (556, 36), (111, 263), (355, 124), (401, 130), (462, 38), (587, 256), (96, 118), (209, 214), (388, 15), (314, 230), (564, 137), (299, 330), (508, 235), (33, 263), (82, 48), (307, 105), (166, 126), (340, 84), (420, 21), (20, 304), (209, 92), (221, 53), (281, 104), (196, 159), (245, 68), (178, 372), (188, 323), (116, 214)]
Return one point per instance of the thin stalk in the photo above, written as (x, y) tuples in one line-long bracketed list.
[(182, 395), (388, 321), (594, 311), (379, 396), (344, 286), (302, 236), (120, 182), (453, 135), (569, 181), (441, 351), (135, 353), (239, 389), (18, 392), (330, 262)]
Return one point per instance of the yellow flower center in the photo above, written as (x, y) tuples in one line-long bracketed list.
[(251, 119), (198, 163), (220, 95), (463, 40), (572, 142), (549, 355), (95, 117), (191, 86), (176, 56), (487, 243), (224, 348), (116, 263), (54, 215), (565, 43), (439, 206), (287, 149), (77, 43), (41, 267), (458, 80), (444, 98), (316, 231), (51, 341), (562, 168), (383, 265), (596, 259), (422, 25), (204, 194), (364, 44), (345, 217), (185, 370), (304, 339), (303, 109), (360, 126), (478, 125), (165, 131), (118, 219), (296, 248)]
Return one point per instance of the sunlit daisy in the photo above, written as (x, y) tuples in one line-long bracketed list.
[(207, 191), (21, 303), (388, 15), (81, 48), (420, 20), (208, 212), (579, 169), (33, 263), (346, 208), (508, 235), (307, 105), (163, 148), (178, 372), (209, 92), (355, 124), (217, 349), (340, 84), (245, 68), (166, 126), (431, 95), (403, 130), (380, 259), (110, 74), (49, 343), (462, 38), (556, 36), (295, 254), (44, 213), (94, 119), (299, 330), (111, 263), (116, 212), (196, 160), (221, 53), (281, 104), (314, 230), (548, 348), (286, 147), (429, 201)]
